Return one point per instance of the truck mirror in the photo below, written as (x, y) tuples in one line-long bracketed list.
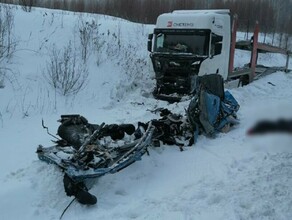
[(149, 45)]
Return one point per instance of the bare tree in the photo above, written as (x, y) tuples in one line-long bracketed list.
[(26, 5), (7, 41)]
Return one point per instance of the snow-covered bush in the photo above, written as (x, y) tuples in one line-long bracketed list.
[(127, 47), (85, 35), (63, 71), (91, 41), (137, 70), (98, 42)]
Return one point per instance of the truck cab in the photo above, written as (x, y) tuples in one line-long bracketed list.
[(186, 44)]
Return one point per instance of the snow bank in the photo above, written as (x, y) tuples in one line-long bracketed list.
[(231, 177)]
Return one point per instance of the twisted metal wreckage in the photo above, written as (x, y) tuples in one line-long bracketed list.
[(87, 151)]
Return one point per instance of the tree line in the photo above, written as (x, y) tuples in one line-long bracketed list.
[(273, 15)]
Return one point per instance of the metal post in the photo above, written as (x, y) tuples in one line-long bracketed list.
[(287, 61), (254, 53), (233, 42)]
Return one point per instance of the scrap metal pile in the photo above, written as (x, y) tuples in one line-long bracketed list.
[(86, 150)]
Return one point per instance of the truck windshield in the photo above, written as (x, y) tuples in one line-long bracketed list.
[(182, 41)]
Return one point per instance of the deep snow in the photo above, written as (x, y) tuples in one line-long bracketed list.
[(231, 177)]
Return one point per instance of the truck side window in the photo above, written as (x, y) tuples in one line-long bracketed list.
[(160, 41), (216, 44)]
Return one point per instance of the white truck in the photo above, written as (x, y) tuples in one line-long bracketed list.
[(190, 43)]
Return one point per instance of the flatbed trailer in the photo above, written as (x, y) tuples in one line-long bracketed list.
[(253, 71)]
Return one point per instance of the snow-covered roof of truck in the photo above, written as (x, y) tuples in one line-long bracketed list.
[(211, 11), (193, 18)]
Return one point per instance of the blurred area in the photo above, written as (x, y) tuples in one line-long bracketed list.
[(271, 126)]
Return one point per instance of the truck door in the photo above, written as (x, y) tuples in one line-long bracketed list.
[(218, 59)]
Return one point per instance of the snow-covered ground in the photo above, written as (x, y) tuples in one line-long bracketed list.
[(231, 177)]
